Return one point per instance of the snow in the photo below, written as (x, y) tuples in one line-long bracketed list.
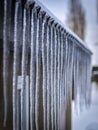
[(88, 119)]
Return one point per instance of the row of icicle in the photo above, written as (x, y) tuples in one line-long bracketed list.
[(55, 58)]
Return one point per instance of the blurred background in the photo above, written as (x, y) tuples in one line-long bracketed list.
[(82, 17)]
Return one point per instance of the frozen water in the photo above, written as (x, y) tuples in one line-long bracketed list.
[(44, 43), (52, 79), (38, 54), (32, 73), (55, 72), (15, 67), (5, 61), (58, 81), (62, 62), (23, 70), (48, 81)]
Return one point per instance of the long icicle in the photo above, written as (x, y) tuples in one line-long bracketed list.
[(58, 84), (48, 79), (5, 54), (23, 71), (5, 61), (53, 42), (75, 79), (64, 76), (55, 71), (38, 46), (32, 73), (52, 114), (60, 77), (15, 67), (44, 42)]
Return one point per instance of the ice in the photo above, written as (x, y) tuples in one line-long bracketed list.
[(38, 54), (48, 76), (55, 77), (82, 79), (5, 62), (23, 70), (60, 58), (44, 44), (32, 73), (52, 84), (58, 78), (15, 66)]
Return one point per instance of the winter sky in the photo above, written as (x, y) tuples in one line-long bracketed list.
[(60, 9)]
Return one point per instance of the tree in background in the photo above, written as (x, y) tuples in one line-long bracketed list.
[(76, 18)]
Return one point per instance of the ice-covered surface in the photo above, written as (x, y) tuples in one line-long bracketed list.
[(52, 57), (88, 119), (49, 13)]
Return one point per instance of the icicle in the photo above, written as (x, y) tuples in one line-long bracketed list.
[(88, 80), (58, 83), (71, 65), (48, 76), (60, 75), (65, 67), (78, 82), (55, 71), (52, 86), (64, 77), (84, 78), (28, 41), (67, 70), (38, 43), (89, 84), (15, 67), (54, 74), (32, 72), (81, 82), (44, 43), (5, 60), (23, 71), (75, 78)]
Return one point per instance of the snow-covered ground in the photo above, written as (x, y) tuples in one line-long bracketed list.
[(88, 119)]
